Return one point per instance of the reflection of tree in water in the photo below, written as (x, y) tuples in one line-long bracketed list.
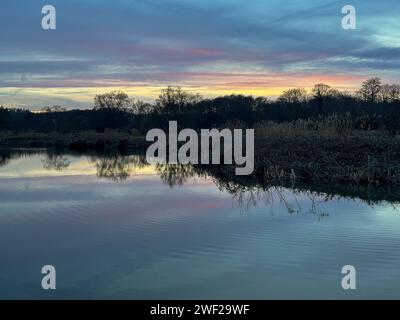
[(246, 196), (55, 162), (117, 167), (246, 191), (175, 174), (5, 157), (51, 161)]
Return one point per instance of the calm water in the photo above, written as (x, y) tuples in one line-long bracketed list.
[(116, 228)]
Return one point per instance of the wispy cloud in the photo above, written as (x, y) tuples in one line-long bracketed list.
[(217, 46)]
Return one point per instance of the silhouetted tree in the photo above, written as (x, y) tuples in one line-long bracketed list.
[(113, 108), (389, 93), (53, 109), (296, 96), (114, 100), (175, 100), (320, 92), (370, 89), (140, 107)]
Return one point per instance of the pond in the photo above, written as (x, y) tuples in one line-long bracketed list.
[(115, 227)]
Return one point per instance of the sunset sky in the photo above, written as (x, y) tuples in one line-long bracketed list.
[(213, 47)]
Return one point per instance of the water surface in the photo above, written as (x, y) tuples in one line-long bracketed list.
[(115, 227)]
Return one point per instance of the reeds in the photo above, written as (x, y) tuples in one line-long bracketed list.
[(328, 126)]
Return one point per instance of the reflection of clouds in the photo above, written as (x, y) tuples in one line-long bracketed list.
[(181, 247), (34, 167), (41, 164), (246, 194)]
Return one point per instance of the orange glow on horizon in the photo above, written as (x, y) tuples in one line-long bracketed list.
[(208, 85)]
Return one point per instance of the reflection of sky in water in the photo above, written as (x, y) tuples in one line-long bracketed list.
[(33, 167), (141, 239)]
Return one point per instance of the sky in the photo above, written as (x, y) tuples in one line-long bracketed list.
[(211, 47)]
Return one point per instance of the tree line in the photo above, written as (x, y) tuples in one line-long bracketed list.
[(376, 103)]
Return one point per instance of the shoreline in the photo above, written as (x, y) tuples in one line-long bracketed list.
[(80, 141), (355, 159)]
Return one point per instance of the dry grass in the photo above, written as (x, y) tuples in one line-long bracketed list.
[(110, 139), (358, 158), (322, 150), (330, 126)]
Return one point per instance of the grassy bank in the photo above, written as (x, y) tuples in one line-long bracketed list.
[(326, 150), (81, 141)]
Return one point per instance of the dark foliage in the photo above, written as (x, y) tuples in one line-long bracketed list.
[(374, 106)]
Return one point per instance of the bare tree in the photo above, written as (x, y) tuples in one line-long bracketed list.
[(114, 100), (370, 89), (140, 107), (298, 95), (389, 93), (320, 92), (53, 109), (175, 100)]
